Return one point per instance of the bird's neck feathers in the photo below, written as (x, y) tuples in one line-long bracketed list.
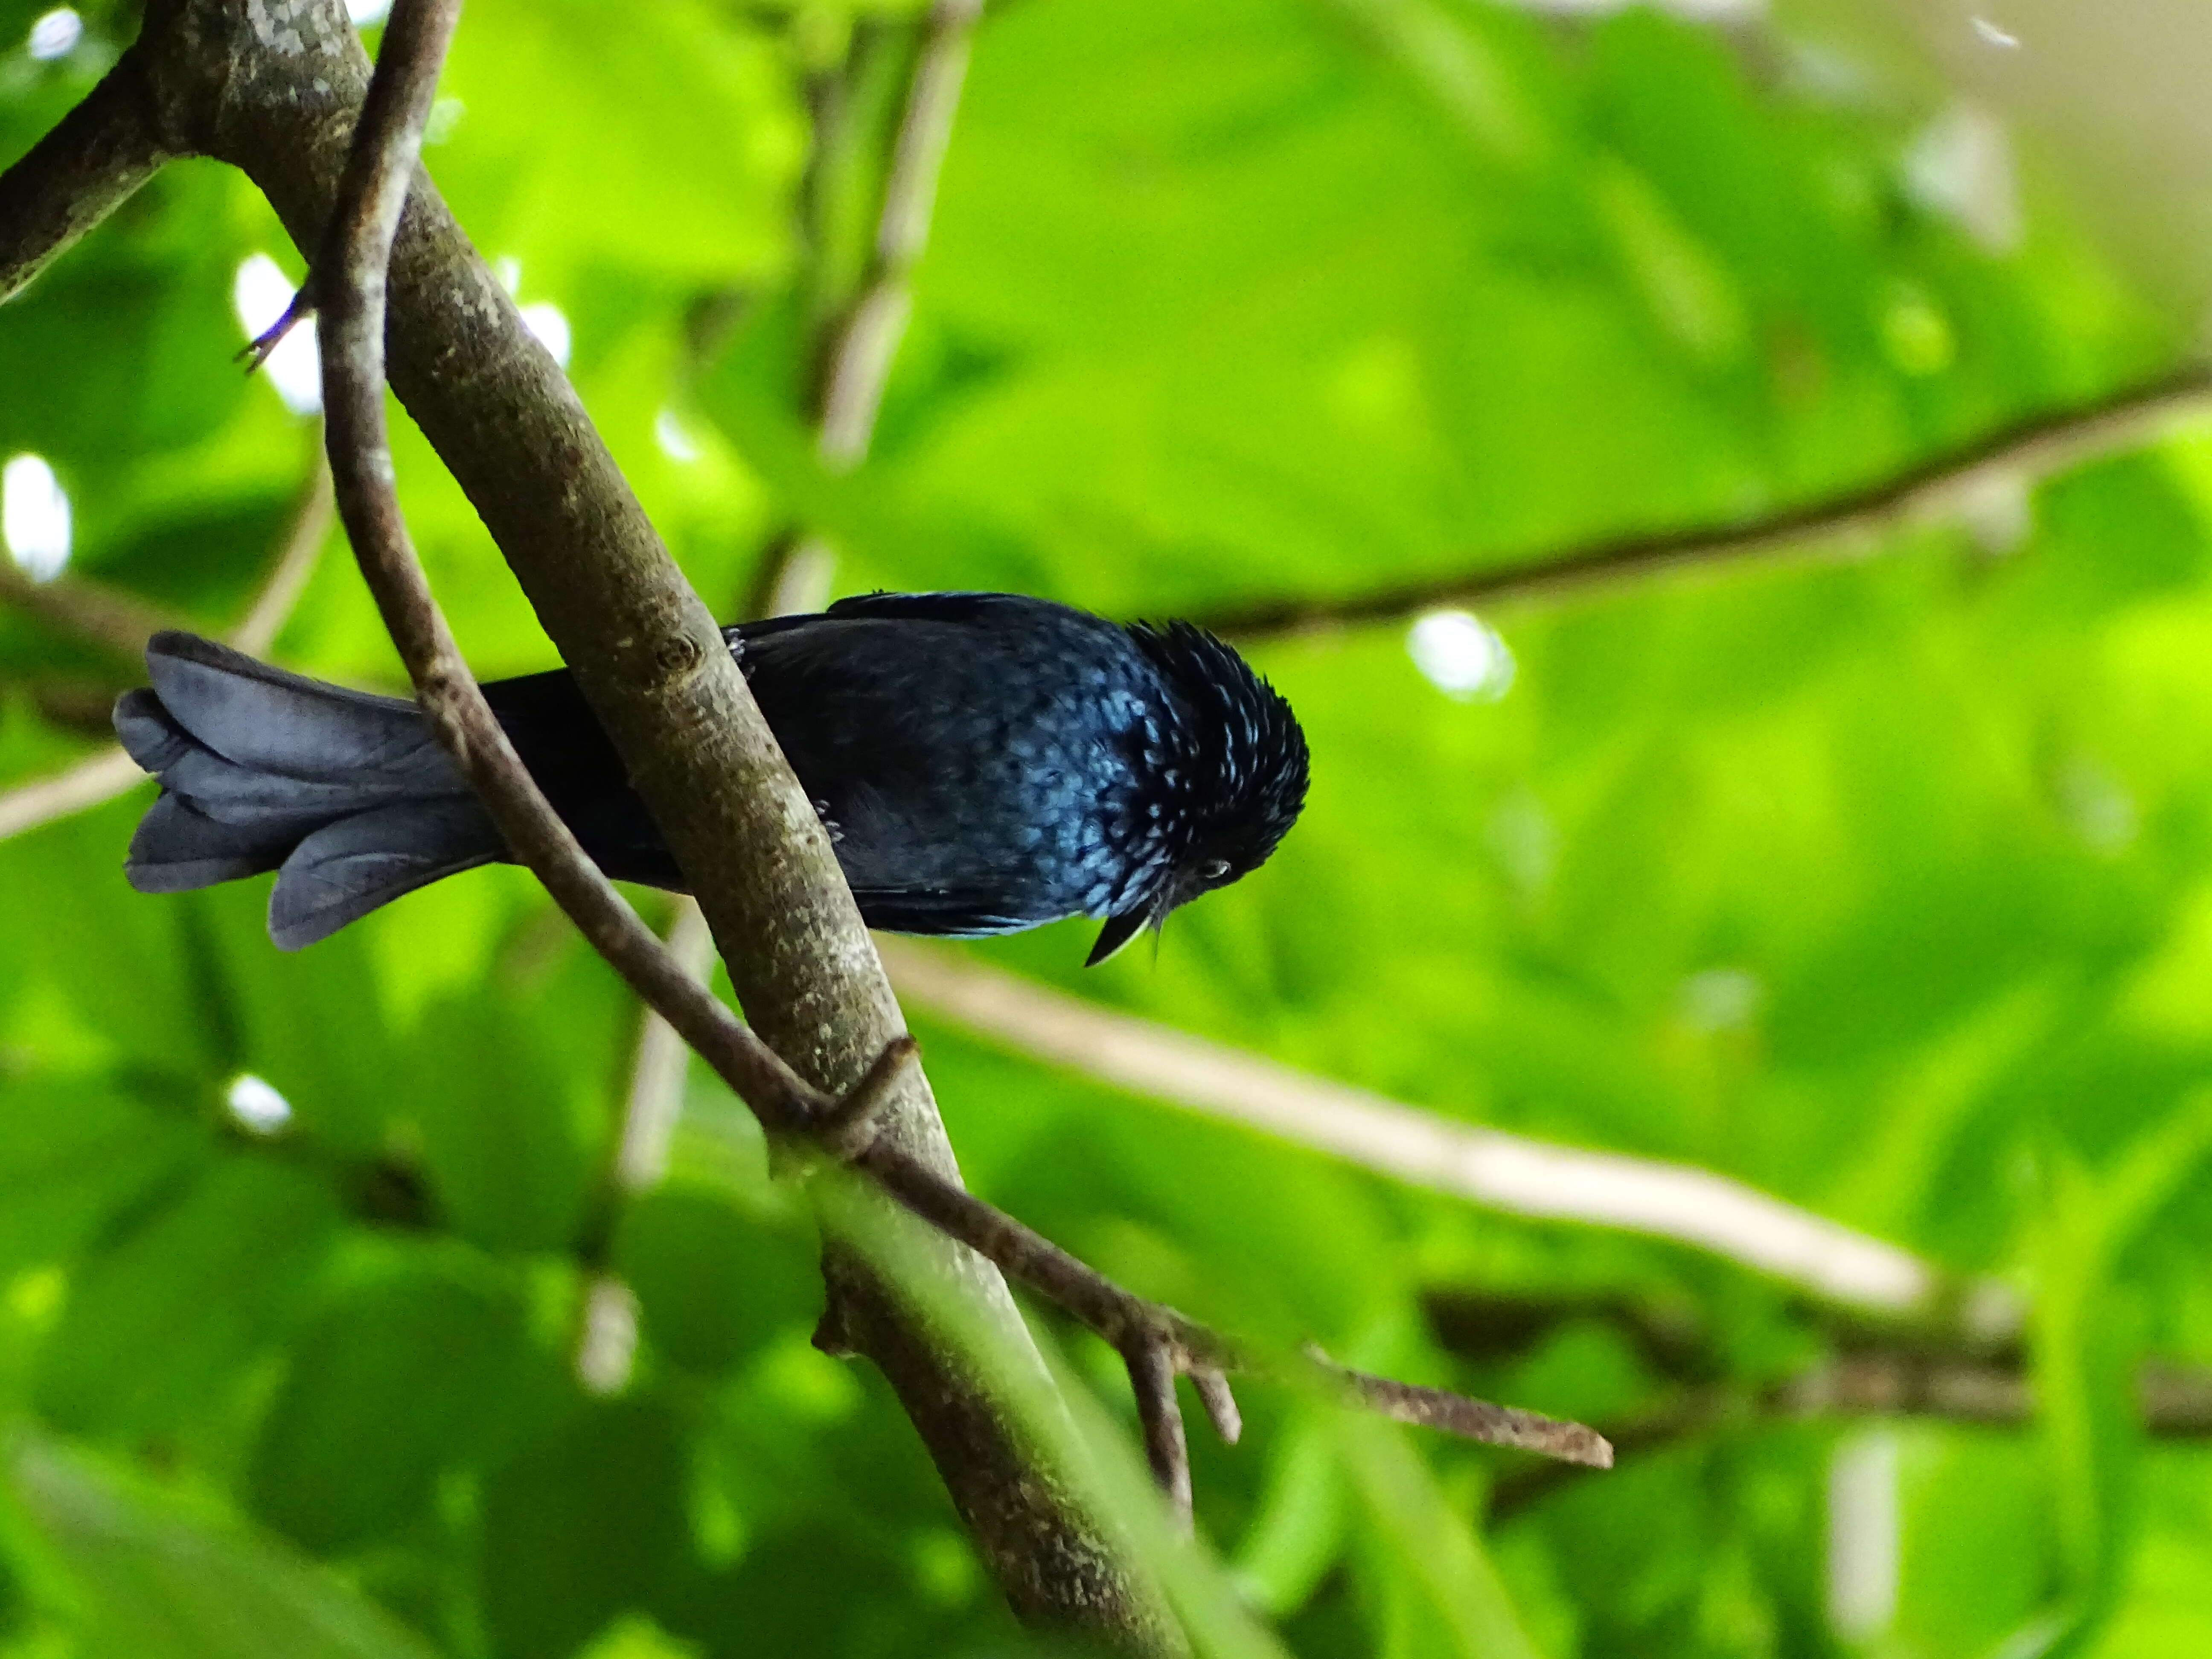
[(1232, 765)]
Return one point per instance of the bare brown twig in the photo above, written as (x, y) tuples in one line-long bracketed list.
[(78, 788), (109, 619), (1148, 1334), (298, 551), (2175, 1403), (2033, 448)]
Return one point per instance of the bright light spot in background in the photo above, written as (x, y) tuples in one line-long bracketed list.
[(1720, 999), (256, 1104), (1961, 166), (259, 294), (2096, 804), (1863, 1534), (54, 34), (674, 442), (445, 115), (604, 1357), (34, 517), (544, 320), (1998, 511), (551, 325), (1524, 841), (1462, 658), (1996, 36), (361, 13)]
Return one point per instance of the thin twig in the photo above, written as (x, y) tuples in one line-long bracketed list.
[(1473, 1419), (850, 1127), (1220, 1404), (2175, 1403), (1152, 1379), (115, 622), (853, 388), (99, 777), (81, 172), (1490, 1166), (298, 551), (1144, 1332), (2035, 448)]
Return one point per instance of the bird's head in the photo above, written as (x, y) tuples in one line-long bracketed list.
[(1224, 775)]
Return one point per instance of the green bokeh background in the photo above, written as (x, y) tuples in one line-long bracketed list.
[(1883, 885)]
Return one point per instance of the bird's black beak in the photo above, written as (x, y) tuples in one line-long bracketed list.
[(1117, 933)]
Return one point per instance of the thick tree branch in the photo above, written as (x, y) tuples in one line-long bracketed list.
[(1840, 525), (787, 583), (78, 173)]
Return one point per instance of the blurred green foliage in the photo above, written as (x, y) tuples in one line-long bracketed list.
[(1885, 886)]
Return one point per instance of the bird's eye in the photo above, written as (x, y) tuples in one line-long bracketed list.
[(1213, 869)]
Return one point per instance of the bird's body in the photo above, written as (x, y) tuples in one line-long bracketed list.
[(984, 762)]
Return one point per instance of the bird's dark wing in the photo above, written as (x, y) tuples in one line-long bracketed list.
[(950, 913)]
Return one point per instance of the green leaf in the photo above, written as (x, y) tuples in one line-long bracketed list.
[(2088, 1342), (506, 1152), (1434, 1557), (312, 1025), (149, 1577), (163, 1320), (74, 1154), (411, 1373), (585, 1521), (713, 1283), (1298, 1532)]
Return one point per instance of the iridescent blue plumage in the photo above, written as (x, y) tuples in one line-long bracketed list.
[(984, 762)]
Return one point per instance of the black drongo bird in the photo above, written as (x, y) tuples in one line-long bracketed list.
[(983, 762)]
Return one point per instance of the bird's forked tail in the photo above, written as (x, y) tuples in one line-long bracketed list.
[(345, 795)]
